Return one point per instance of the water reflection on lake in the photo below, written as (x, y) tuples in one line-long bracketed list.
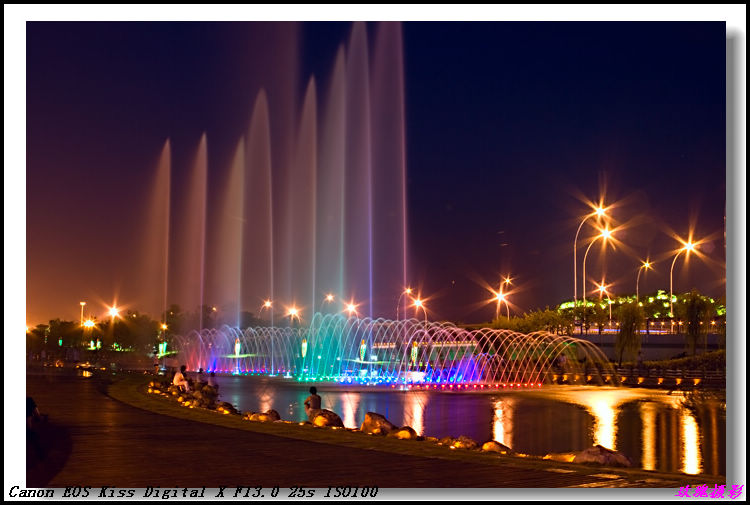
[(649, 426)]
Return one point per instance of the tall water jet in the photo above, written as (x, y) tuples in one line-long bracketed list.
[(224, 257), (388, 169), (302, 202), (155, 248), (358, 196), (186, 279), (256, 273), (330, 188)]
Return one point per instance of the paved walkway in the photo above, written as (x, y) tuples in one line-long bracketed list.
[(94, 440)]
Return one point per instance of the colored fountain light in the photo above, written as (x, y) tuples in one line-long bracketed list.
[(381, 352)]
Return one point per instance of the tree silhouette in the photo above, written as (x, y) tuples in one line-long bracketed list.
[(628, 340)]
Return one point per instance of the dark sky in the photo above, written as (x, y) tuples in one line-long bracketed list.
[(507, 125)]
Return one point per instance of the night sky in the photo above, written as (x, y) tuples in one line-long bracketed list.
[(508, 127)]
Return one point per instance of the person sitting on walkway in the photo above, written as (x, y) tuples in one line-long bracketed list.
[(33, 420), (180, 380), (312, 403)]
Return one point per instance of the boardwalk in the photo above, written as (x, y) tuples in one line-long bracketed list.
[(102, 442)]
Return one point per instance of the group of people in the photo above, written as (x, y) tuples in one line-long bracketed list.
[(312, 402), (182, 381)]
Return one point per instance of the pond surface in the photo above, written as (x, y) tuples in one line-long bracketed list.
[(649, 426)]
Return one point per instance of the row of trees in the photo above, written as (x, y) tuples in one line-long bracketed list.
[(694, 310), (133, 330)]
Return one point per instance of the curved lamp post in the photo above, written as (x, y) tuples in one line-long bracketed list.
[(604, 235), (645, 265), (599, 212), (689, 246), (406, 291)]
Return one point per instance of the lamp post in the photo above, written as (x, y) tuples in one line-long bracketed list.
[(500, 297), (407, 291), (604, 235), (113, 313), (82, 305), (419, 304), (689, 246), (599, 212), (603, 290), (267, 304), (645, 265), (351, 308)]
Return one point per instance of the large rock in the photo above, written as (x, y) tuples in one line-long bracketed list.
[(602, 456), (375, 424), (495, 446), (263, 417), (463, 442), (226, 408), (404, 433), (324, 417), (566, 457)]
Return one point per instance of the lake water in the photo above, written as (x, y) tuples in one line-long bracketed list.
[(649, 426)]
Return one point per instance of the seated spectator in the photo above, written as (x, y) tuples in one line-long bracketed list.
[(180, 380), (212, 381), (312, 404)]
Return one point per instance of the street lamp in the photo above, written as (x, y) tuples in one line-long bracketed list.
[(689, 246), (406, 291), (645, 265), (603, 290), (82, 304), (500, 298), (598, 212), (419, 304), (604, 235), (113, 313), (267, 304)]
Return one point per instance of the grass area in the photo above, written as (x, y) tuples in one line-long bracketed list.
[(132, 390), (714, 360)]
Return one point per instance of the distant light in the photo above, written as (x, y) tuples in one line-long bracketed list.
[(408, 291), (689, 246), (600, 211), (293, 312), (329, 298), (418, 303), (267, 304), (114, 312), (88, 323), (606, 233), (163, 326)]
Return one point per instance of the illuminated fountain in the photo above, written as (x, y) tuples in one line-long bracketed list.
[(311, 199), (334, 348)]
